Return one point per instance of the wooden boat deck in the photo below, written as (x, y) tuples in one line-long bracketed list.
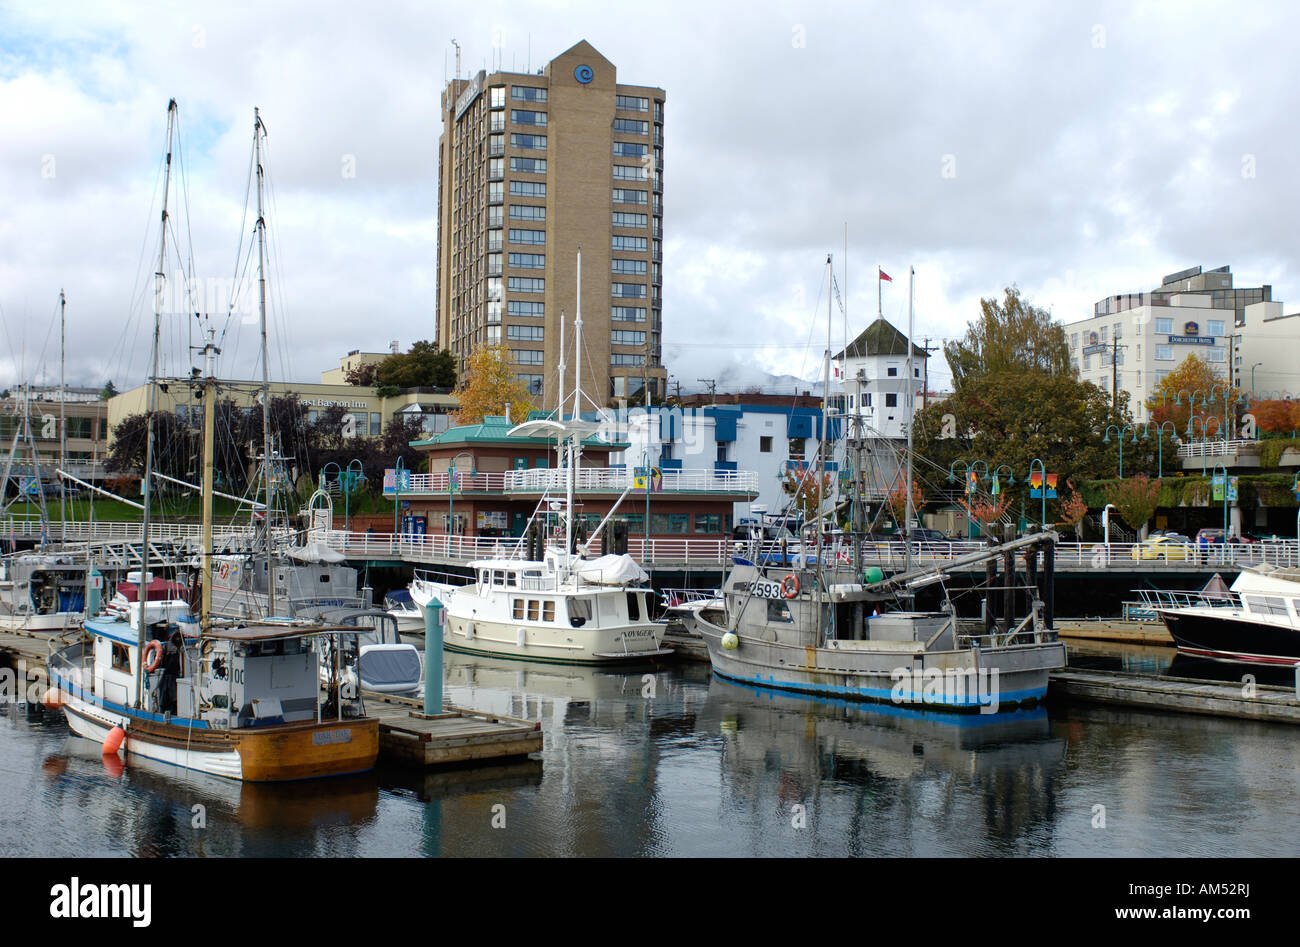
[(1102, 629)]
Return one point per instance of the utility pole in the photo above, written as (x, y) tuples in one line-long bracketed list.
[(1114, 374), (925, 373), (713, 388)]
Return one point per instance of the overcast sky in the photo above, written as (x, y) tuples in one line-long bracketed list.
[(1077, 150)]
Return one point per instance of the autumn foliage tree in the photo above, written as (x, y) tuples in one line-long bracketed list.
[(808, 490), (1073, 509), (986, 509), (1185, 393), (490, 385), (1136, 499), (896, 500), (1276, 415)]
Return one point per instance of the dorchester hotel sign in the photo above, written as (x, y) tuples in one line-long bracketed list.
[(1191, 336)]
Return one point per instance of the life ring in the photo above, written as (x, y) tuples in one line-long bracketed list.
[(790, 586), (156, 646)]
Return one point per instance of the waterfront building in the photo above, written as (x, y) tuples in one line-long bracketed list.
[(85, 416), (478, 480), (872, 370), (1132, 341), (367, 411), (764, 437), (532, 167)]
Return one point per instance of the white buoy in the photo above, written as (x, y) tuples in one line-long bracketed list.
[(730, 642)]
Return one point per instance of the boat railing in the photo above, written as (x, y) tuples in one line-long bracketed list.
[(671, 597), (1153, 599)]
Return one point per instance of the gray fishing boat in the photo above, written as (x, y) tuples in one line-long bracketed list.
[(825, 632)]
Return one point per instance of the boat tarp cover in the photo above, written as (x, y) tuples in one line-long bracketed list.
[(316, 552), (612, 570), (388, 666)]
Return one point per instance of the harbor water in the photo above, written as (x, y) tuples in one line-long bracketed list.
[(672, 761)]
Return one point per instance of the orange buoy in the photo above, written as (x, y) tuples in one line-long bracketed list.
[(113, 742), (53, 699)]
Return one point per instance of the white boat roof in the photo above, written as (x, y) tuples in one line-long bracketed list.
[(548, 427)]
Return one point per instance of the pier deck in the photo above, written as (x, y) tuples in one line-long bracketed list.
[(1178, 694), (455, 736)]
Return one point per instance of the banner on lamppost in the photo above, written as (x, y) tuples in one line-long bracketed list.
[(1036, 486), (997, 487), (1217, 487), (972, 483), (1232, 489)]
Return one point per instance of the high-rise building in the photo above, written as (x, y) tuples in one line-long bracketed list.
[(533, 167)]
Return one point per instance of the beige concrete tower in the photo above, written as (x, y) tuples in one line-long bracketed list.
[(532, 167)]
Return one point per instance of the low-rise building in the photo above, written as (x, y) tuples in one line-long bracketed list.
[(85, 422), (479, 480)]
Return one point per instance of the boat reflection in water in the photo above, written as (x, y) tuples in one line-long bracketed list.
[(158, 808), (902, 781)]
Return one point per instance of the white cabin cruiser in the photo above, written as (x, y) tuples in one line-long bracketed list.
[(562, 609)]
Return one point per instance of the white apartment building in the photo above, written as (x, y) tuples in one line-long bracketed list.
[(1133, 341), (1267, 360)]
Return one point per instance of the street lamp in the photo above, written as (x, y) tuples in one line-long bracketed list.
[(1043, 468), (1120, 434), (968, 469), (1205, 436), (1252, 376), (397, 494), (1160, 442)]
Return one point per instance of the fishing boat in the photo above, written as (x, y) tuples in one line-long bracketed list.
[(234, 699), (1255, 621), (42, 592), (837, 628)]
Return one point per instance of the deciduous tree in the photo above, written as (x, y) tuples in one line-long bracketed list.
[(1136, 499), (1010, 336), (491, 385), (1186, 392)]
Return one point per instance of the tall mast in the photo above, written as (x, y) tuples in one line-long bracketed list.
[(160, 281), (268, 513), (63, 419), (577, 407), (821, 444), (910, 396), (210, 353)]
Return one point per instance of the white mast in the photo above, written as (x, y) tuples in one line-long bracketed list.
[(63, 419), (577, 407), (821, 444), (910, 401), (258, 131), (159, 292)]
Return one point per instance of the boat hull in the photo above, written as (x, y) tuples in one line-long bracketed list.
[(964, 680), (556, 645), (278, 753), (1222, 637)]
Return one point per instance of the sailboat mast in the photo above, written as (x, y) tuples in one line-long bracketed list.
[(210, 352), (577, 407), (63, 417), (160, 280), (821, 443), (258, 131), (910, 401)]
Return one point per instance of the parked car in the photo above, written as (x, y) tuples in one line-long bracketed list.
[(1168, 548)]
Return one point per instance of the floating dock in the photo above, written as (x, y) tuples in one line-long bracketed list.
[(455, 736), (1177, 694), (1114, 629)]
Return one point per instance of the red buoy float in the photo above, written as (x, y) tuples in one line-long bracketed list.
[(156, 649), (113, 742)]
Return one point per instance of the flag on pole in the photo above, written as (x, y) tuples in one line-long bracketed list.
[(884, 276)]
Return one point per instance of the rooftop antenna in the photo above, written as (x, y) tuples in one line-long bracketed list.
[(457, 45)]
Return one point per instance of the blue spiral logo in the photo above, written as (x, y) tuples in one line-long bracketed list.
[(584, 74)]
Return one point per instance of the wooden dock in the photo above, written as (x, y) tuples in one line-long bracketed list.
[(456, 736), (1177, 694), (686, 647), (1114, 629)]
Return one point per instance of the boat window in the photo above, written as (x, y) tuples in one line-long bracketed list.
[(533, 609), (579, 611), (121, 657), (498, 577), (518, 613), (777, 610), (548, 611), (1266, 605), (512, 579), (483, 577), (633, 607)]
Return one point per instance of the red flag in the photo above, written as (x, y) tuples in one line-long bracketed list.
[(884, 275)]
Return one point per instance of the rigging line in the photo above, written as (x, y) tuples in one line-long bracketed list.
[(137, 286), (243, 226)]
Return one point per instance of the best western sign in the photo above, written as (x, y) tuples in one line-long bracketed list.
[(1191, 336)]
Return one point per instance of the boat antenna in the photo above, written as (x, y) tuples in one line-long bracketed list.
[(821, 443), (210, 353), (160, 281)]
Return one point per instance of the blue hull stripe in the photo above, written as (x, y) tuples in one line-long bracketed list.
[(886, 695)]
